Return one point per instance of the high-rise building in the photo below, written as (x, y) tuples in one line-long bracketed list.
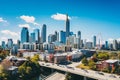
[(10, 43), (88, 45), (32, 37), (37, 35), (115, 45), (14, 50), (3, 45), (24, 35), (57, 36), (79, 39), (94, 41), (106, 45), (43, 33), (51, 38), (62, 37), (67, 26), (18, 44), (72, 41)]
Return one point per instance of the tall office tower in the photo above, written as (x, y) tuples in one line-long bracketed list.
[(115, 45), (79, 39), (67, 26), (37, 35), (94, 41), (3, 45), (51, 38), (32, 37), (14, 50), (62, 37), (24, 35), (57, 36), (10, 43), (72, 40), (81, 42), (88, 45), (18, 44), (43, 33), (119, 45), (106, 45)]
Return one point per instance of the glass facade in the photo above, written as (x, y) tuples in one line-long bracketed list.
[(37, 35), (43, 33), (24, 35)]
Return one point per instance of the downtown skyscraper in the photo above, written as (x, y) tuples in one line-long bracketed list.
[(43, 33), (24, 35), (37, 35), (67, 26), (94, 41), (79, 39), (10, 44)]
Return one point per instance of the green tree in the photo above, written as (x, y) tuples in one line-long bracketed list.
[(103, 56), (85, 61), (113, 55), (35, 57), (21, 70), (29, 69), (91, 64), (1, 69)]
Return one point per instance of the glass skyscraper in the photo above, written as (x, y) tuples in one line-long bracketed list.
[(10, 43), (106, 45), (37, 35), (62, 37), (79, 39), (67, 26), (24, 35), (3, 45), (57, 35), (94, 41), (43, 33), (32, 37)]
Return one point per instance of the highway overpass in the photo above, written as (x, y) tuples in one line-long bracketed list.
[(86, 73)]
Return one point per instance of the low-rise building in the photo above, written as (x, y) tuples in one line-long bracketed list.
[(107, 64)]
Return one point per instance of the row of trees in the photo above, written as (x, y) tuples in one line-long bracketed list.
[(89, 63)]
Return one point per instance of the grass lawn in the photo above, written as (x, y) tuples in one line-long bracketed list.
[(83, 66)]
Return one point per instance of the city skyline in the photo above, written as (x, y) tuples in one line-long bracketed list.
[(89, 17)]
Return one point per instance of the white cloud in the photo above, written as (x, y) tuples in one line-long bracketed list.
[(59, 16), (29, 19), (2, 20), (10, 33), (24, 25)]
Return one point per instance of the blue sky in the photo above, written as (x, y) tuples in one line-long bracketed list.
[(91, 17)]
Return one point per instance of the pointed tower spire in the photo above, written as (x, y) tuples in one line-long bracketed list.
[(67, 17), (67, 26)]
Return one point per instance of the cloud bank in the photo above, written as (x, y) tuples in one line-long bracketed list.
[(2, 20), (8, 32), (29, 19), (59, 16)]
